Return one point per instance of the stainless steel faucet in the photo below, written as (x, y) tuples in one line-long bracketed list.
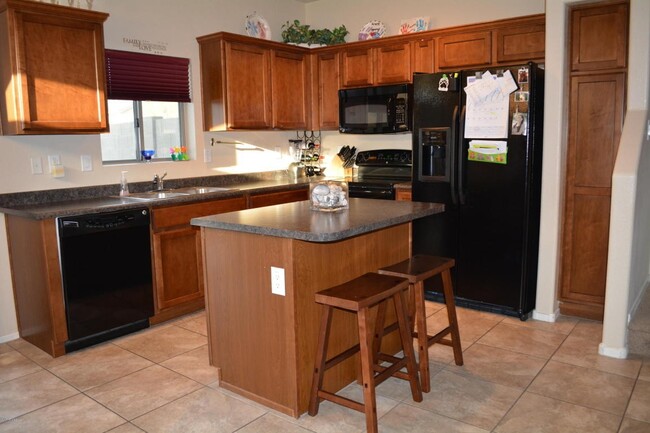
[(158, 182)]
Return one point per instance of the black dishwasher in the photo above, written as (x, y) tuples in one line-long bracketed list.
[(107, 277)]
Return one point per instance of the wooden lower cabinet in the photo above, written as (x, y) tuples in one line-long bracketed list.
[(176, 245), (177, 259), (403, 194), (37, 284)]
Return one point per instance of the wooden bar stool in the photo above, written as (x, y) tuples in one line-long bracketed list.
[(417, 269), (358, 296)]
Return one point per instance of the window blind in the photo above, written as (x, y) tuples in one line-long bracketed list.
[(147, 77)]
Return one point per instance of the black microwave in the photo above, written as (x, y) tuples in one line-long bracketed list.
[(375, 110)]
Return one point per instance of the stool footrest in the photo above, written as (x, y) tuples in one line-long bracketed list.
[(341, 357), (438, 338), (343, 401), (386, 372)]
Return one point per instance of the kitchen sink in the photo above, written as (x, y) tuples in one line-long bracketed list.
[(155, 195), (202, 189)]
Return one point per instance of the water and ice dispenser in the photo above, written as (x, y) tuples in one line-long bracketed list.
[(435, 154)]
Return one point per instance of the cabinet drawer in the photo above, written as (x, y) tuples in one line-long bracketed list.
[(182, 214), (277, 198)]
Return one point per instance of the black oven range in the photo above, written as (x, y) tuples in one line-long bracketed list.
[(379, 171)]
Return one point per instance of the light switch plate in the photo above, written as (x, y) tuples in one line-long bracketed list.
[(37, 165), (86, 163)]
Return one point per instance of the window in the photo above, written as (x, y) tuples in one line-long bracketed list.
[(141, 125), (145, 93)]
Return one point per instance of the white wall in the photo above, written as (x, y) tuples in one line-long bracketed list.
[(355, 14), (176, 24), (629, 240)]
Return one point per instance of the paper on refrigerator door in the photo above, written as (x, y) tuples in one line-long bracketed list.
[(486, 109)]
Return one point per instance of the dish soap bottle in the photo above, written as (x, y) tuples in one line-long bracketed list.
[(124, 185)]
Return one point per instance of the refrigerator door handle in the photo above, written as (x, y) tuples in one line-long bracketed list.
[(460, 159), (453, 155)]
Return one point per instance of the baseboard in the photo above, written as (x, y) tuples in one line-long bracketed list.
[(546, 317), (612, 352), (9, 337), (637, 302)]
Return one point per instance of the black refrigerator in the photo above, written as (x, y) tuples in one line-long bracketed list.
[(488, 175)]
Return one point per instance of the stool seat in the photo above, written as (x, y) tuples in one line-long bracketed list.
[(358, 296), (416, 269)]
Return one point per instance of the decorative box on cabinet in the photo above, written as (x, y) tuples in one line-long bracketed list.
[(51, 69)]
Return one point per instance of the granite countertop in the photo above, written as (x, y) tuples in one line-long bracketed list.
[(297, 220), (46, 204)]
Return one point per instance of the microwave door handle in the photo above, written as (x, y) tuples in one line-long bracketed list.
[(452, 157), (460, 160)]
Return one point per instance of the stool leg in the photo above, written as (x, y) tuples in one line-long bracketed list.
[(451, 314), (319, 363), (379, 331), (423, 336), (365, 344), (407, 345)]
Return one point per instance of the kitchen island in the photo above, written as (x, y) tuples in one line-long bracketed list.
[(264, 343)]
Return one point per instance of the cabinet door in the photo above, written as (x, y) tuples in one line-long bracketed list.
[(277, 198), (523, 43), (423, 56), (248, 86), (402, 194), (59, 79), (326, 97), (594, 133), (599, 37), (393, 63), (357, 67), (290, 75), (178, 267), (466, 49)]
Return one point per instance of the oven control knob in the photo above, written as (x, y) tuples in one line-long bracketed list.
[(403, 157)]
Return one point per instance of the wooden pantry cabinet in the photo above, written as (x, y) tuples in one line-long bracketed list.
[(51, 69), (249, 83), (597, 73)]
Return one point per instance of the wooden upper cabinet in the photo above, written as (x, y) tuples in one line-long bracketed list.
[(423, 56), (393, 63), (521, 43), (51, 69), (465, 50), (248, 86), (385, 63), (357, 67), (325, 102), (290, 89), (249, 83), (599, 37)]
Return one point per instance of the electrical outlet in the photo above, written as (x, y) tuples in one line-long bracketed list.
[(277, 281), (278, 151), (86, 163), (37, 165), (207, 155)]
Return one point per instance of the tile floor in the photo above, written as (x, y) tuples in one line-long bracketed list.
[(518, 377)]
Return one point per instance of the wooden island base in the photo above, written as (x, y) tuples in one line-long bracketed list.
[(264, 344)]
